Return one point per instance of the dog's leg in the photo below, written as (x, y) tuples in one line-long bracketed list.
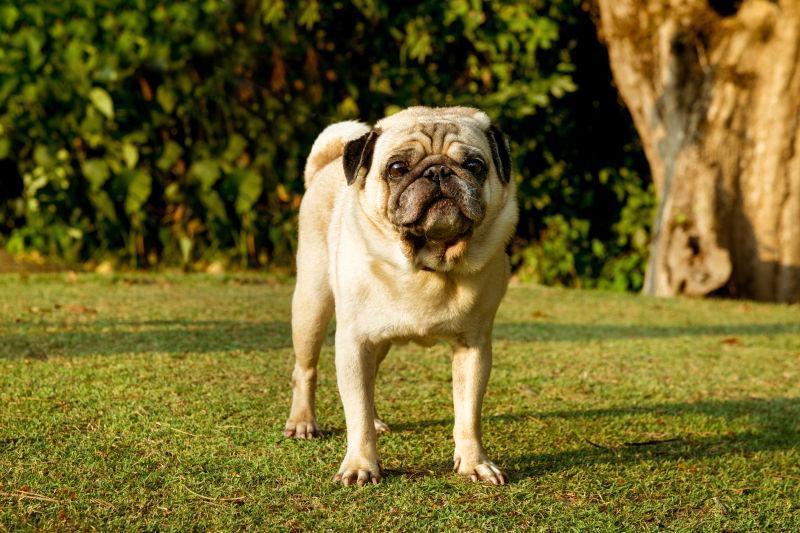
[(472, 363), (312, 309), (355, 375), (380, 355)]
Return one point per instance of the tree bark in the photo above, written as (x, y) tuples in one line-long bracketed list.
[(714, 90)]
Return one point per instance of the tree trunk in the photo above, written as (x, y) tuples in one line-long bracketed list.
[(714, 90)]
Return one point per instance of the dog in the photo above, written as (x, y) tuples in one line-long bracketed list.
[(402, 232)]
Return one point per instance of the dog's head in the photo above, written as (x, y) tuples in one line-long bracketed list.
[(435, 175)]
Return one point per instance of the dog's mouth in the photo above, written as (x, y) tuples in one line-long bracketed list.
[(440, 222), (438, 211)]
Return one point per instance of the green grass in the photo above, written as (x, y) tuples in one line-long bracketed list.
[(158, 402)]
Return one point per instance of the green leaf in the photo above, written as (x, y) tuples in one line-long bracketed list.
[(248, 186), (172, 192), (206, 172), (309, 14), (42, 157), (236, 145), (139, 186), (348, 108), (166, 98), (130, 154), (214, 204), (102, 101), (169, 156), (204, 42), (103, 204), (8, 16), (96, 172), (185, 244), (273, 12)]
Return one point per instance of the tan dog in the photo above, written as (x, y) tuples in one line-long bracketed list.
[(403, 230)]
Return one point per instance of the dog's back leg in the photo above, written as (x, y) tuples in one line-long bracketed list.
[(380, 355), (312, 309)]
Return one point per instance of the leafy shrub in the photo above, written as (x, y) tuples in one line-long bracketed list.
[(172, 132)]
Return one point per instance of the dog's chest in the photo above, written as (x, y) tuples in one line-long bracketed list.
[(419, 308)]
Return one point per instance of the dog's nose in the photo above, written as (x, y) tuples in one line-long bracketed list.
[(437, 173)]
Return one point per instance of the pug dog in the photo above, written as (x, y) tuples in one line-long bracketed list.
[(402, 233)]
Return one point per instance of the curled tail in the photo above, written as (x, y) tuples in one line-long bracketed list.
[(330, 145)]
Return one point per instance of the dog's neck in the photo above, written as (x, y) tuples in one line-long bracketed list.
[(433, 256)]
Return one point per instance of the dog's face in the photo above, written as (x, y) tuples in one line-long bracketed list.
[(434, 175)]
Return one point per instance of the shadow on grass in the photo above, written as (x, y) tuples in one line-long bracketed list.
[(109, 337), (775, 426), (543, 331)]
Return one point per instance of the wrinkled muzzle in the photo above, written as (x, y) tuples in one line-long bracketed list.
[(437, 204)]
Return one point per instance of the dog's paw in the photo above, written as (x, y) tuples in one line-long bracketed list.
[(380, 426), (480, 470), (359, 471), (302, 429)]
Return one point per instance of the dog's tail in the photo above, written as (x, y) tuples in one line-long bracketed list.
[(330, 145)]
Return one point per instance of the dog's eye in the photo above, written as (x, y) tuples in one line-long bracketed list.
[(475, 166), (397, 169)]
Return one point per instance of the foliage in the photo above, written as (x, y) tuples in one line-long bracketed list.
[(172, 132)]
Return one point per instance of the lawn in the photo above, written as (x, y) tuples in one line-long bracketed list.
[(158, 402)]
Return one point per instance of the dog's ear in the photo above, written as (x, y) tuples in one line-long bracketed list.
[(501, 153), (358, 155)]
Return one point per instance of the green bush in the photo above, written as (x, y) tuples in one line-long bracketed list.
[(175, 132)]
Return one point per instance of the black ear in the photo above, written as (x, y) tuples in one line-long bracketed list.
[(501, 153), (358, 155)]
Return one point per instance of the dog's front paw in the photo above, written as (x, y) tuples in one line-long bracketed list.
[(302, 429), (480, 469), (360, 471)]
